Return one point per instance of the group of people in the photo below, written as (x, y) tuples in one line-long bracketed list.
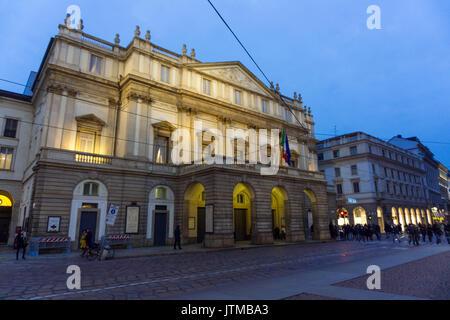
[(357, 232), (366, 232)]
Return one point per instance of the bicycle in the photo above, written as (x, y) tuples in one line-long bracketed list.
[(103, 253)]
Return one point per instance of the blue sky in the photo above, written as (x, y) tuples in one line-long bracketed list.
[(383, 82)]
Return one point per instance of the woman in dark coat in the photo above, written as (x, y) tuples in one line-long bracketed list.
[(177, 238)]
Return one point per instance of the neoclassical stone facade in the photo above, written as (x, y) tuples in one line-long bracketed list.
[(105, 118)]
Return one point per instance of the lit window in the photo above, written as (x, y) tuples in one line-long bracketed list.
[(6, 158), (237, 97), (161, 149), (206, 86), (90, 189), (240, 198), (86, 142), (10, 128), (95, 65), (160, 193), (165, 74)]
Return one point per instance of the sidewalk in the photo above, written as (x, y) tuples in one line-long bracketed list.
[(8, 253)]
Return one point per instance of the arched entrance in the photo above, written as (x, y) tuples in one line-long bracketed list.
[(6, 206), (88, 210), (429, 216), (380, 218), (311, 218), (279, 201), (401, 216), (413, 216), (394, 216), (359, 216), (194, 198), (242, 212), (407, 216), (160, 221), (419, 220)]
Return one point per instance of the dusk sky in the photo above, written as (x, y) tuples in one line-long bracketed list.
[(382, 82)]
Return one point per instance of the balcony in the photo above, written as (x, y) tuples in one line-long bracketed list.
[(72, 158)]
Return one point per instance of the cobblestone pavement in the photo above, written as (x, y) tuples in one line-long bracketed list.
[(164, 276), (425, 278)]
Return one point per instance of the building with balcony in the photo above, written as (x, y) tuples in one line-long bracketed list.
[(107, 124), (376, 181)]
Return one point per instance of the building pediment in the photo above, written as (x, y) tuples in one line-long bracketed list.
[(91, 118), (235, 73)]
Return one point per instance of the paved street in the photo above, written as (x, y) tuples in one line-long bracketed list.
[(278, 272)]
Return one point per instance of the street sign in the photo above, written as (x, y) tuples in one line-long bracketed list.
[(112, 214)]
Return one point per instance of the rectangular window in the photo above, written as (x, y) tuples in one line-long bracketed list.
[(6, 155), (86, 142), (161, 149), (336, 153), (370, 149), (337, 172), (353, 150), (383, 152), (265, 108), (376, 186), (339, 188), (287, 113), (388, 189), (385, 172), (95, 65), (165, 74), (237, 97), (206, 86), (398, 175), (320, 156), (356, 187), (354, 169), (10, 128), (373, 169)]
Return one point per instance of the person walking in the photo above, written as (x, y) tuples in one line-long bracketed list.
[(177, 238), (395, 230), (437, 232), (430, 233), (423, 231), (21, 241), (416, 235), (83, 245), (447, 232)]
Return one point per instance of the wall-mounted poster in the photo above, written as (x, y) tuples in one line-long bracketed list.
[(209, 219), (132, 222), (53, 224)]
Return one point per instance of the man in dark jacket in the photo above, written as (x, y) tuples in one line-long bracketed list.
[(21, 244), (177, 238)]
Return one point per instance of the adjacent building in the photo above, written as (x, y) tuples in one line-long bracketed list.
[(99, 131), (375, 181)]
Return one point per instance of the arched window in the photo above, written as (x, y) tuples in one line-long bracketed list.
[(90, 189)]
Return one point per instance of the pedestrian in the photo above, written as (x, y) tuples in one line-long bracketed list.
[(177, 238), (396, 231), (83, 245), (416, 235), (21, 241), (423, 231), (437, 232), (430, 233), (447, 232), (378, 232)]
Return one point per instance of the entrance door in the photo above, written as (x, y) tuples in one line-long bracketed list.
[(5, 220), (160, 228), (88, 219), (200, 224), (240, 221)]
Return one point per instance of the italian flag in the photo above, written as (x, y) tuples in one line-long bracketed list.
[(286, 153)]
